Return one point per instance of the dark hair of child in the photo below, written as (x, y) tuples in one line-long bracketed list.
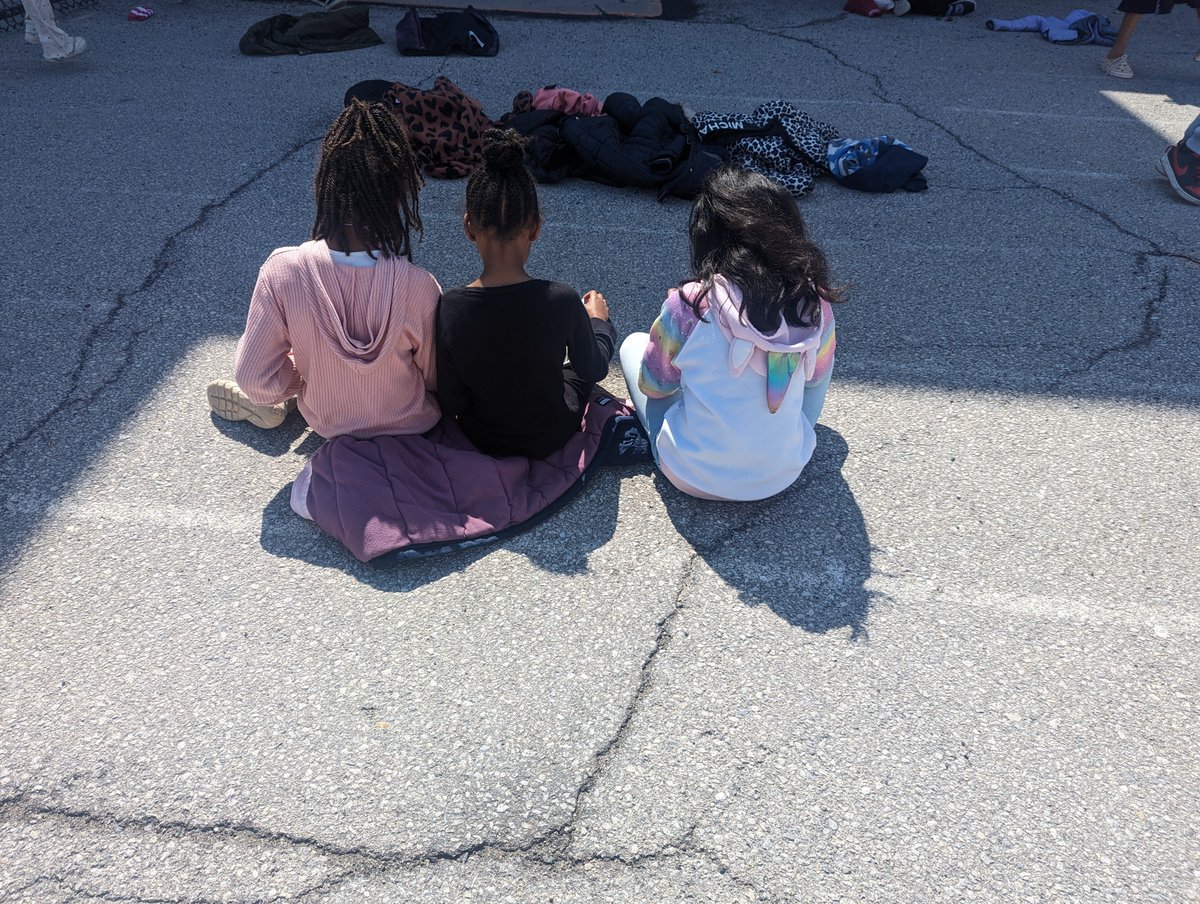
[(501, 192), (367, 180), (746, 227)]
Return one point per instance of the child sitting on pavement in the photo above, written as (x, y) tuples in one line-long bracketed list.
[(732, 376), (501, 339), (342, 325)]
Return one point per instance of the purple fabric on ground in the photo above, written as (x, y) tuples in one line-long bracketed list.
[(391, 492)]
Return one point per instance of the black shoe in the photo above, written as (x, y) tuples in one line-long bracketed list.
[(626, 443), (960, 8)]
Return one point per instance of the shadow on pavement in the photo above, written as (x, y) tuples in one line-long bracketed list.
[(804, 553), (274, 442)]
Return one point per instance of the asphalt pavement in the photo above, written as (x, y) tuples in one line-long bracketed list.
[(955, 662)]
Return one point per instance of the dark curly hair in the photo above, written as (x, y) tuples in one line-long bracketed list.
[(746, 227), (501, 192), (367, 181)]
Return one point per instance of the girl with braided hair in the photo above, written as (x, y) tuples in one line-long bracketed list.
[(342, 325), (501, 339)]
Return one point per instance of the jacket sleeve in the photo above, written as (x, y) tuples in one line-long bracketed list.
[(659, 377), (590, 343), (828, 347), (453, 396), (263, 366), (425, 340)]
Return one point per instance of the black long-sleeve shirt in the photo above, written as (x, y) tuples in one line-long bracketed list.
[(500, 364)]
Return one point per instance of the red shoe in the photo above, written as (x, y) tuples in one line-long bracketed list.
[(1181, 165)]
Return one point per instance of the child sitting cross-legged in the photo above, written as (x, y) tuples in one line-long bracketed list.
[(342, 325), (501, 339), (731, 378)]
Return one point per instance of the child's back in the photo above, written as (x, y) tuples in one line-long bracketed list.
[(502, 351), (739, 429), (342, 325), (501, 340), (731, 378), (359, 332)]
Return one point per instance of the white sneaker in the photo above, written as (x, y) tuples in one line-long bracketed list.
[(228, 401), (78, 46), (1118, 68)]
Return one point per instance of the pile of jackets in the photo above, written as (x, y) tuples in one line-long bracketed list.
[(653, 145)]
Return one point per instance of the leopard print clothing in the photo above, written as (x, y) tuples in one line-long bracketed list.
[(782, 142), (445, 126)]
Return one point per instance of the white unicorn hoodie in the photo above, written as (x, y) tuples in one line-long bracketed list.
[(738, 431)]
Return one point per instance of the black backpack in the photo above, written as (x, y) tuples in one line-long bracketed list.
[(466, 31)]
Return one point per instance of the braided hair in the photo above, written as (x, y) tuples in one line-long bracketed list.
[(501, 194), (367, 181)]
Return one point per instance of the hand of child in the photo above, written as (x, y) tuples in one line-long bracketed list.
[(595, 305)]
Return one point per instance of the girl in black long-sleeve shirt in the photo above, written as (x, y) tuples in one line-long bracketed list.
[(501, 340)]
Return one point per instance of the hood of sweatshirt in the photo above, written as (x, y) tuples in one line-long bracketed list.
[(355, 308), (776, 356)]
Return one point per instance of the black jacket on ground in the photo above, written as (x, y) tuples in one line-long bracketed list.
[(650, 145), (347, 28)]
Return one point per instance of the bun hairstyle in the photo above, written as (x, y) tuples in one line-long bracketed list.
[(368, 179), (501, 193), (503, 149), (746, 227)]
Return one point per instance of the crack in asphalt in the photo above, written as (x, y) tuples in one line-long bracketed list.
[(72, 398), (1149, 331), (878, 88), (549, 848), (161, 263), (662, 639)]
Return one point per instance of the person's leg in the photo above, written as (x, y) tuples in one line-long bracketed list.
[(1124, 32), (1180, 163), (1191, 138), (56, 43), (650, 412)]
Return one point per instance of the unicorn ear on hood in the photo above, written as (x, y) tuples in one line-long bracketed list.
[(740, 353)]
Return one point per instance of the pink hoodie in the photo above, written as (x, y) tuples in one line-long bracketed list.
[(353, 344)]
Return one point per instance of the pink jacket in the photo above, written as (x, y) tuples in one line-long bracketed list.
[(567, 101), (353, 344)]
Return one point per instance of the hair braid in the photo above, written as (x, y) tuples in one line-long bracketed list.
[(368, 181)]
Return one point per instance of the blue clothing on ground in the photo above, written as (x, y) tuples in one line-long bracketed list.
[(1079, 27), (848, 155)]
